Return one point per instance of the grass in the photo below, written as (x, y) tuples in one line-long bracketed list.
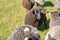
[(12, 16)]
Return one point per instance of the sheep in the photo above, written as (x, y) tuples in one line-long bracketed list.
[(28, 4), (36, 16), (54, 30), (39, 2), (26, 32)]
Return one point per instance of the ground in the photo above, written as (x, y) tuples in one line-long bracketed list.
[(12, 15)]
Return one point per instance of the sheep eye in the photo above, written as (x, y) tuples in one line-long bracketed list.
[(33, 12)]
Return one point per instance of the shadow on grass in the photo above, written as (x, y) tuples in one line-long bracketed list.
[(42, 27), (48, 3)]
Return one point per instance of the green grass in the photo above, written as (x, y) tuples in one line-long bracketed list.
[(12, 16)]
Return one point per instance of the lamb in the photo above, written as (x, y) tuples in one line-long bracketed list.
[(36, 16), (54, 30), (28, 4), (26, 32)]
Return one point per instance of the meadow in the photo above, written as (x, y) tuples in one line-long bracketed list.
[(12, 15)]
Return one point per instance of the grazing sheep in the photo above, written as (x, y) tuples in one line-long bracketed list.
[(36, 16), (26, 32), (57, 4), (40, 2), (54, 31), (28, 4)]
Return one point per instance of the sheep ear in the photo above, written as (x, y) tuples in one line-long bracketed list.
[(33, 12)]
